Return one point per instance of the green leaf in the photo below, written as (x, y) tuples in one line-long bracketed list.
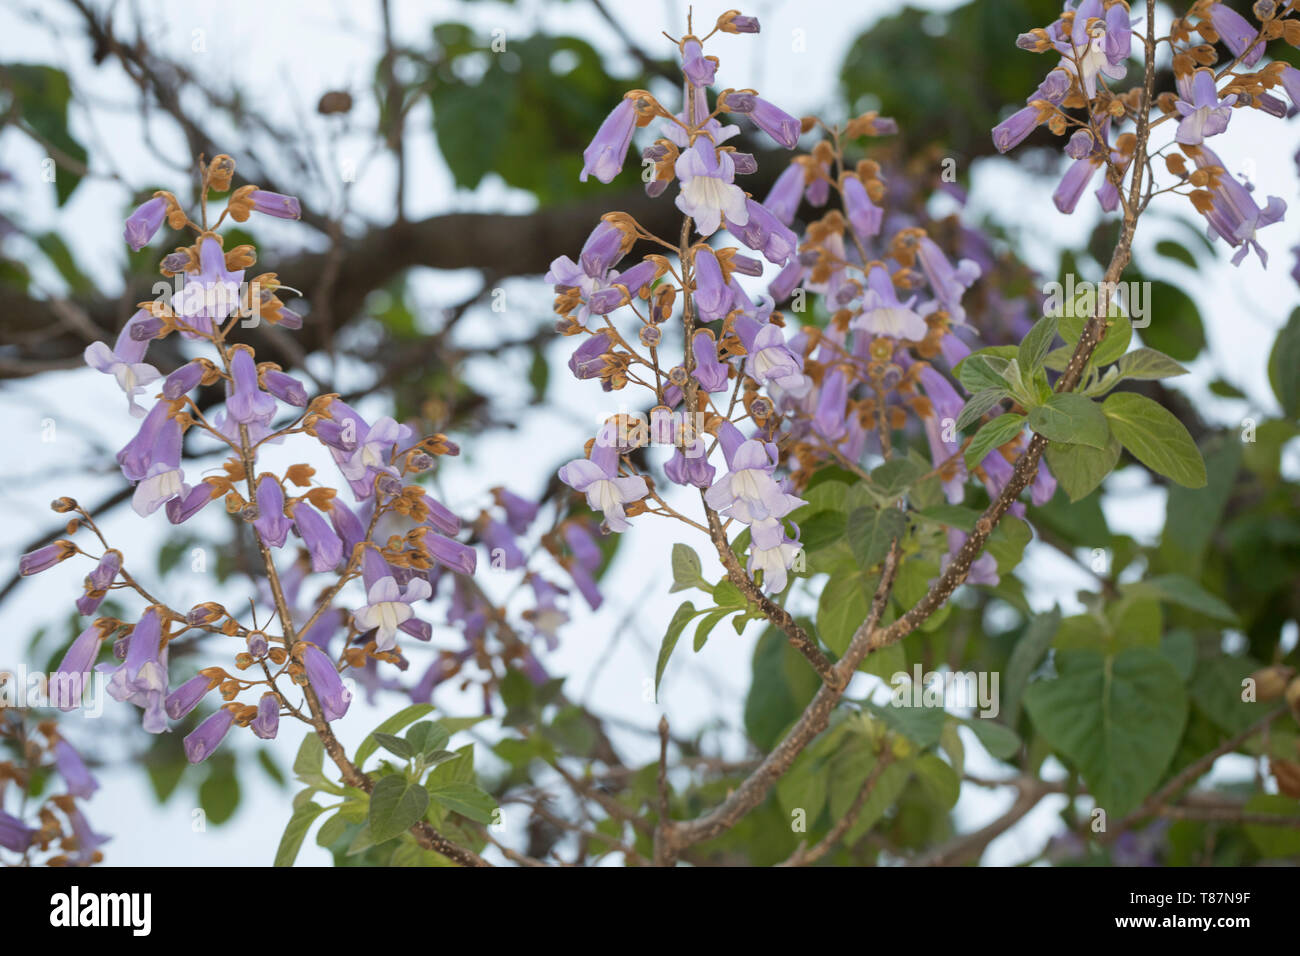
[(295, 832), (938, 781), (684, 615), (999, 740), (1079, 469), (871, 531), (1183, 591), (1284, 366), (219, 792), (394, 745), (1176, 328), (1176, 251), (1071, 419), (841, 609), (687, 570), (401, 719), (427, 737), (465, 799), (1148, 364), (781, 687), (979, 371), (1117, 719), (1155, 437), (895, 476), (993, 434), (396, 805), (980, 404), (1037, 343), (41, 96), (707, 624), (1273, 842)]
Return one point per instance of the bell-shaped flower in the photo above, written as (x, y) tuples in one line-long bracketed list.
[(325, 681), (748, 492), (210, 296), (708, 189), (1203, 113), (709, 372), (882, 312), (267, 722), (603, 158), (77, 778), (712, 294), (143, 224), (141, 679), (247, 403), (99, 580), (123, 362), (1232, 213), (387, 605), (272, 524), (203, 741), (599, 480), (322, 543), (773, 552), (68, 681), (163, 478), (690, 465), (771, 119), (186, 697), (949, 284), (765, 233), (771, 361), (1237, 34)]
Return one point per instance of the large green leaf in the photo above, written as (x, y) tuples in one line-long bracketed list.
[(1079, 469), (1155, 437), (296, 831), (993, 434), (680, 619), (396, 804), (1117, 718), (1284, 366), (871, 531), (1071, 419)]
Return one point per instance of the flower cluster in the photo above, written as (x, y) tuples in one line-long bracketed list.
[(1094, 40), (754, 407), (53, 830), (374, 524)]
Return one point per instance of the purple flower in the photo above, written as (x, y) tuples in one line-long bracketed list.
[(771, 362), (450, 553), (68, 680), (690, 466), (183, 380), (748, 492), (828, 420), (622, 287), (1237, 34), (949, 284), (76, 775), (247, 403), (587, 360), (272, 524), (709, 372), (142, 678), (373, 451), (42, 559), (99, 581), (1232, 213), (210, 296), (267, 721), (14, 834), (186, 697), (441, 518), (143, 224), (708, 191), (1013, 130), (1101, 48), (88, 841), (325, 681), (604, 157), (712, 295), (1291, 83), (786, 194), (346, 525), (503, 552), (784, 284), (123, 363), (764, 232), (773, 552), (605, 247), (322, 543), (940, 429), (388, 606), (275, 204), (864, 215), (882, 312), (189, 503), (285, 387), (772, 120), (1203, 113), (207, 736), (699, 69), (162, 478), (598, 479), (520, 512)]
